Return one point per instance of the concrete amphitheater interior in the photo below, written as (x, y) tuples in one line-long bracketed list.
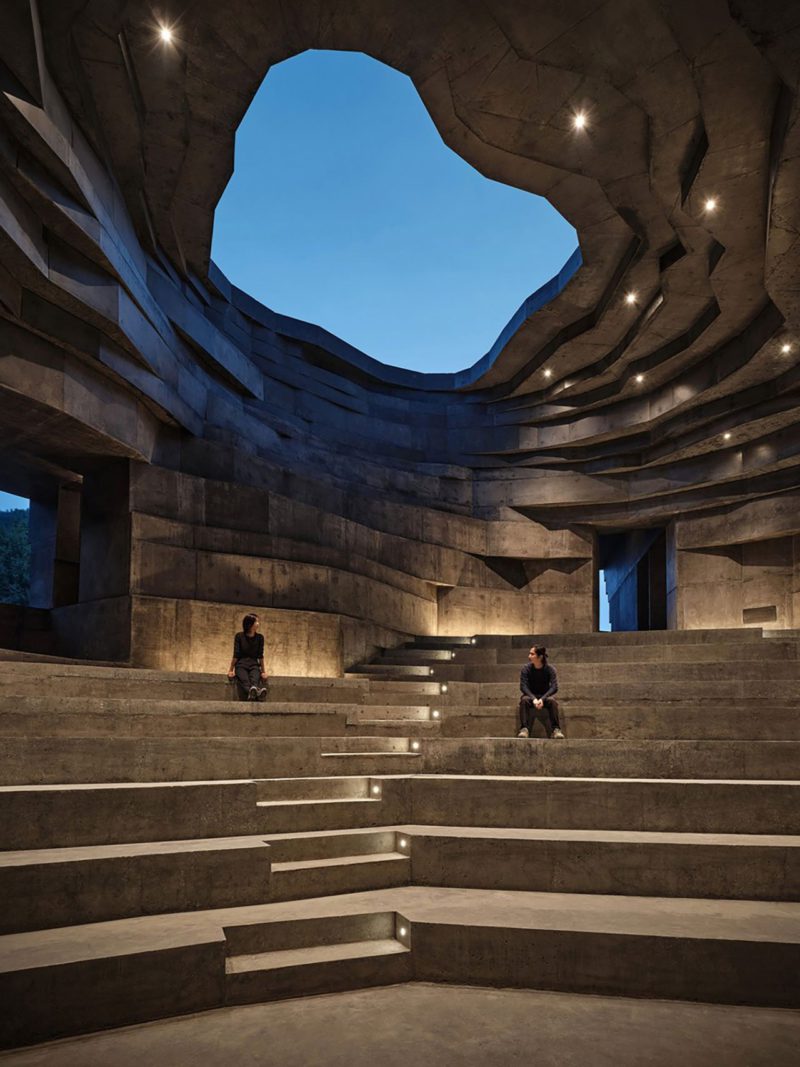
[(371, 863)]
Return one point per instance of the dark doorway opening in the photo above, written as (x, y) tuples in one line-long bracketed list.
[(634, 566)]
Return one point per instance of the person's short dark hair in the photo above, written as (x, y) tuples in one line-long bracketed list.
[(541, 651), (248, 621)]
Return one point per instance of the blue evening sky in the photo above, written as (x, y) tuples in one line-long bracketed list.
[(347, 209)]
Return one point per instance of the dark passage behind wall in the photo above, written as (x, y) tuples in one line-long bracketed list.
[(635, 566)]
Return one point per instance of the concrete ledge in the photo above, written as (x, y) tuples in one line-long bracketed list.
[(693, 806), (71, 760), (58, 816), (68, 886), (99, 991), (726, 866)]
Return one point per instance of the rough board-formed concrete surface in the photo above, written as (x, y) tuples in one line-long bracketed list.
[(191, 455)]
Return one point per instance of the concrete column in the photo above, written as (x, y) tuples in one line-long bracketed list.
[(43, 523), (55, 547), (105, 550)]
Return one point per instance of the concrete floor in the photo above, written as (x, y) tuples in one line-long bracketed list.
[(444, 1025)]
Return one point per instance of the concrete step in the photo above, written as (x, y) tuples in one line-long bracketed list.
[(98, 717), (615, 759), (785, 692), (601, 638), (382, 763), (352, 952), (54, 887), (401, 671), (333, 844), (715, 951), (78, 717), (324, 877), (779, 648), (368, 745), (59, 816), (726, 866), (678, 675), (38, 716), (44, 761), (635, 863), (336, 788), (384, 802), (643, 804), (727, 723)]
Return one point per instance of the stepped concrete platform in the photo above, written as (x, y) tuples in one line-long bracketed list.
[(743, 952), (390, 827)]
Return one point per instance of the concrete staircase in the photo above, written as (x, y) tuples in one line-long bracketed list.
[(389, 826)]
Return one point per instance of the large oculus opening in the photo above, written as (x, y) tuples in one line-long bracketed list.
[(346, 209)]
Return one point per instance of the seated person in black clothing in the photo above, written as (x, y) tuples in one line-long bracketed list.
[(538, 682), (247, 665)]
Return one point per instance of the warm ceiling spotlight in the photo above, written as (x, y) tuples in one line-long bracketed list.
[(443, 687), (435, 713), (402, 842), (710, 204), (402, 931), (376, 789), (165, 33), (452, 655), (474, 640), (431, 671), (639, 379), (786, 348), (579, 120), (726, 437), (548, 374), (630, 298), (415, 746)]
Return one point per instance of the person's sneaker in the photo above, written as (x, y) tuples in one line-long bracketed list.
[(262, 694), (253, 694), (557, 733), (523, 732)]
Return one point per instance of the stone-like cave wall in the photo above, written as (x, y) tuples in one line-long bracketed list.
[(227, 458)]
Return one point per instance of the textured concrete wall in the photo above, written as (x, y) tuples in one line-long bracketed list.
[(228, 455)]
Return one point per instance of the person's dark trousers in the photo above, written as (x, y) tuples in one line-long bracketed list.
[(527, 714), (247, 676)]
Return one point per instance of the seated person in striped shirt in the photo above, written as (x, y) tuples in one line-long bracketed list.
[(538, 683), (247, 665)]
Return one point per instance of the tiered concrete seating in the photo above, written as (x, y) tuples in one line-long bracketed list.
[(160, 836)]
